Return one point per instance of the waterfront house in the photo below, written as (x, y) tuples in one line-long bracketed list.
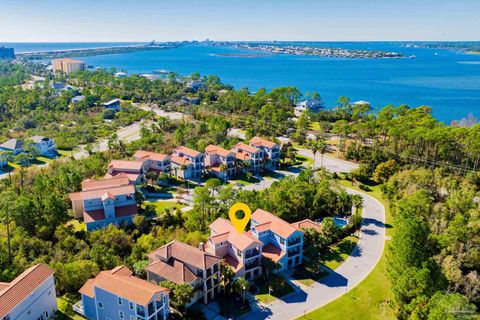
[(13, 145), (219, 162), (133, 169), (188, 163), (67, 65), (313, 105), (104, 202), (240, 250), (251, 156), (118, 294), (120, 75), (29, 296), (45, 146), (153, 161), (271, 152), (113, 104), (183, 264), (282, 242), (195, 85)]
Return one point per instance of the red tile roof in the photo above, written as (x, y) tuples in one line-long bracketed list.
[(98, 193), (277, 225), (213, 149), (142, 155), (272, 252), (121, 282), (241, 241), (120, 165), (187, 151), (120, 212), (175, 271), (186, 254), (132, 177), (180, 160), (257, 141), (242, 155), (22, 287), (234, 263), (117, 181), (307, 224), (245, 147)]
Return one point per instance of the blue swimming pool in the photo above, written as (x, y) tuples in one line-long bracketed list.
[(341, 222)]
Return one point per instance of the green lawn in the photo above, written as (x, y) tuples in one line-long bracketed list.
[(243, 180), (65, 311), (307, 278), (339, 252), (305, 160), (371, 298), (315, 125), (64, 153), (279, 285), (160, 206)]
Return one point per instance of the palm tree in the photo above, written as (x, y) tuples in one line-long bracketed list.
[(357, 201), (152, 176), (238, 164), (241, 287), (223, 169), (322, 148), (269, 266)]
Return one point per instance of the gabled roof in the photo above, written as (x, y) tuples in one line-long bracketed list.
[(257, 142), (38, 139), (187, 151), (213, 149), (185, 253), (277, 225), (307, 224), (11, 294), (120, 212), (121, 282), (180, 160), (119, 165), (116, 181), (142, 155), (245, 147), (98, 193), (272, 252), (175, 271), (222, 229), (242, 155), (12, 144), (111, 102)]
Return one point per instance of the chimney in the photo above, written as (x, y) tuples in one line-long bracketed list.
[(201, 246)]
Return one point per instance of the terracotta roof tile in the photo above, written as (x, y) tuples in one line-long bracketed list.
[(98, 193), (98, 215), (22, 287), (120, 165), (174, 271), (142, 155), (277, 225), (213, 149), (116, 181), (122, 283), (272, 252), (234, 263), (307, 224), (187, 151), (242, 155), (180, 160), (240, 241), (186, 254), (257, 141), (245, 147)]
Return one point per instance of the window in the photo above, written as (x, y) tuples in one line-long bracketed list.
[(120, 301), (282, 241), (120, 314), (100, 304), (131, 305)]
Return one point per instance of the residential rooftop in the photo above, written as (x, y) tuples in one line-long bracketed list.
[(275, 224), (257, 142), (223, 230)]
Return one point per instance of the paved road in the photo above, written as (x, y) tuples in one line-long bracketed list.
[(330, 163), (362, 261)]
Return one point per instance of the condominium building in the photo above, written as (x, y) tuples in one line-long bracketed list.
[(251, 156), (153, 161), (181, 263), (117, 294), (30, 296), (271, 152), (240, 250), (134, 170), (219, 162), (67, 65), (282, 242), (104, 202), (188, 163)]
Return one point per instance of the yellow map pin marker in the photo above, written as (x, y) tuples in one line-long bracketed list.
[(239, 224)]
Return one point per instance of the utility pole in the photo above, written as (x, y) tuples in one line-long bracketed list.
[(8, 236)]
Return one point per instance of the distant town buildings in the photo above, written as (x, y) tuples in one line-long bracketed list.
[(104, 202), (67, 65), (118, 294), (313, 105), (153, 161), (183, 264), (29, 296), (7, 53), (195, 85)]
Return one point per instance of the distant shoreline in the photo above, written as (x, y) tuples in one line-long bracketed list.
[(243, 55)]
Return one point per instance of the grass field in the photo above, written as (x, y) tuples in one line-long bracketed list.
[(339, 252), (160, 206), (65, 311), (371, 298), (279, 285)]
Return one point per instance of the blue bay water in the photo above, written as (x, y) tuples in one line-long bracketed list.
[(445, 80)]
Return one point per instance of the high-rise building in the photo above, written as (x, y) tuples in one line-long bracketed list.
[(67, 65), (7, 53)]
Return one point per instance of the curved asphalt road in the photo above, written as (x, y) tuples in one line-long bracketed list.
[(361, 262)]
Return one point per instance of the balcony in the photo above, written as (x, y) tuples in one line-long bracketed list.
[(78, 308), (292, 253), (293, 242), (251, 254), (252, 265)]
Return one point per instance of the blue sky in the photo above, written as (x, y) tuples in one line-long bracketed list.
[(144, 20)]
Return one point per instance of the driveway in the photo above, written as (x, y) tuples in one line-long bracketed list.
[(363, 259)]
